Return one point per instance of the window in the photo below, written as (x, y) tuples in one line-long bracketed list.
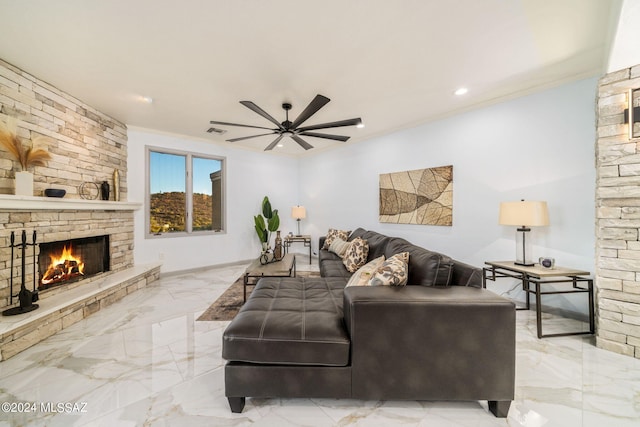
[(184, 193)]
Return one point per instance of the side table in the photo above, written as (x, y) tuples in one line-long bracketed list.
[(289, 239), (534, 278)]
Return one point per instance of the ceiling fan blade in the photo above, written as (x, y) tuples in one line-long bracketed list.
[(326, 136), (317, 103), (249, 137), (341, 123), (253, 107), (213, 122), (304, 144), (274, 143)]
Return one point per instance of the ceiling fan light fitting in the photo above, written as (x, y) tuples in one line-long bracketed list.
[(293, 129), (217, 131)]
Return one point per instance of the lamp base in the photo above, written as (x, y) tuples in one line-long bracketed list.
[(523, 248)]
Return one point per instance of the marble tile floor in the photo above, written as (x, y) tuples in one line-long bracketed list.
[(146, 361)]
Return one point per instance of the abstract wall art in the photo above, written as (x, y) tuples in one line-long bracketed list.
[(423, 196)]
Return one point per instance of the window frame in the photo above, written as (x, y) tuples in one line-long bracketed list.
[(189, 155)]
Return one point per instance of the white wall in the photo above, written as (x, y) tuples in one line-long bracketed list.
[(249, 177), (539, 147)]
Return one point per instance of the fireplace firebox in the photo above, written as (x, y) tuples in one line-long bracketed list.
[(68, 261)]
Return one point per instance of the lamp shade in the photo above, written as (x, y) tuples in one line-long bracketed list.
[(298, 212), (524, 213)]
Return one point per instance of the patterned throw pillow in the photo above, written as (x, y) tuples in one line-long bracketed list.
[(393, 272), (364, 273), (332, 234), (356, 255), (339, 247)]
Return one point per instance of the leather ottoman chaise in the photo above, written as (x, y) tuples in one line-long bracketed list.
[(314, 338)]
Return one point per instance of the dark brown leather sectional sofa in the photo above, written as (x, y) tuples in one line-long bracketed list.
[(441, 337)]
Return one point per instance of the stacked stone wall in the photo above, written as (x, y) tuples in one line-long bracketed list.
[(618, 216), (85, 144)]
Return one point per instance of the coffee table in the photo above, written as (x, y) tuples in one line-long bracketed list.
[(286, 267)]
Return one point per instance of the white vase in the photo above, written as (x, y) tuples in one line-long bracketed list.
[(24, 183)]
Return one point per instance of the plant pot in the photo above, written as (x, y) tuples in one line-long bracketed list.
[(24, 183)]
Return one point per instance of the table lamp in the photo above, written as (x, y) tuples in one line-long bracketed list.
[(524, 214), (297, 213)]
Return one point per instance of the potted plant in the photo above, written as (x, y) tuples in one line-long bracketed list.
[(265, 224), (26, 156)]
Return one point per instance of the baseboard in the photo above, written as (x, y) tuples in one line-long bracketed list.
[(205, 268)]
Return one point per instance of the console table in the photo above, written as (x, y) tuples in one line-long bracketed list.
[(289, 239), (534, 278)]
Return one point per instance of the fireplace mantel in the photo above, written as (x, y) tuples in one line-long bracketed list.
[(10, 202)]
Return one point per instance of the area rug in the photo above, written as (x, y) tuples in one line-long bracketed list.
[(227, 306)]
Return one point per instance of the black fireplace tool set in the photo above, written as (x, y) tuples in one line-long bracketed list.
[(25, 296)]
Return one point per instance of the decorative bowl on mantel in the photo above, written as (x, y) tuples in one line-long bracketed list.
[(55, 192)]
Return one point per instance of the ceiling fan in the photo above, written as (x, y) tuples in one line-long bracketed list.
[(293, 129)]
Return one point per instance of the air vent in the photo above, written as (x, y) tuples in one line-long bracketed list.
[(216, 130)]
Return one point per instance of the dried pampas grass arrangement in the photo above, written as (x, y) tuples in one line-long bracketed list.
[(27, 157)]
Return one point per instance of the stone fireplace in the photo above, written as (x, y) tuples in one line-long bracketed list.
[(86, 146), (59, 223)]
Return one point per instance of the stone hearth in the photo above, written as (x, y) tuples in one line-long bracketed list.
[(62, 310), (62, 306), (61, 219)]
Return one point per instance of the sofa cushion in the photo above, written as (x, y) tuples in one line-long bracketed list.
[(426, 268), (331, 265), (333, 234), (365, 273), (358, 232), (392, 272), (334, 268), (291, 321), (357, 254), (377, 243)]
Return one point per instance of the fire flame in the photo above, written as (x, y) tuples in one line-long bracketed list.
[(63, 267)]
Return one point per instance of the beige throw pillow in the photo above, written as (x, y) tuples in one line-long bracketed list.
[(364, 273), (393, 272), (356, 255), (339, 247)]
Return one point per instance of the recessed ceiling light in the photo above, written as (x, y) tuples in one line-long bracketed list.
[(461, 91), (280, 145), (145, 99), (360, 125)]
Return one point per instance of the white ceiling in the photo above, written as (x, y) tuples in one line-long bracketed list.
[(393, 63)]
